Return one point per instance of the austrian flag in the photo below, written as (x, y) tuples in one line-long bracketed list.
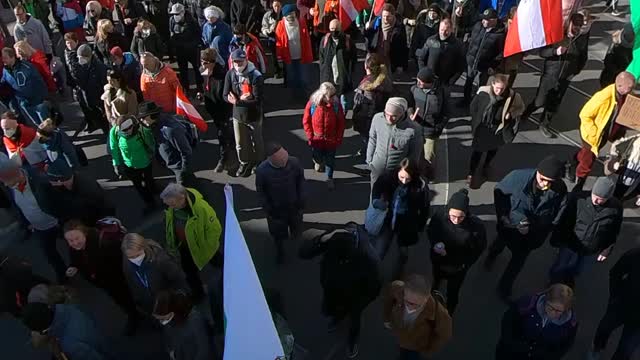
[(537, 23), (186, 109), (349, 9)]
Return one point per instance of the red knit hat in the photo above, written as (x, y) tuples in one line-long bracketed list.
[(116, 51)]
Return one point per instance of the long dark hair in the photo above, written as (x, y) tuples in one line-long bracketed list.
[(117, 75), (412, 169), (175, 301)]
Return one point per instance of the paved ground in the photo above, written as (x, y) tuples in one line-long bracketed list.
[(478, 318)]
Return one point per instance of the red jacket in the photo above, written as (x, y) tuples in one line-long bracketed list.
[(325, 127), (39, 61), (282, 43), (255, 53)]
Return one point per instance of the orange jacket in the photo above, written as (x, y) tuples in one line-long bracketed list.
[(282, 43), (160, 88), (331, 11)]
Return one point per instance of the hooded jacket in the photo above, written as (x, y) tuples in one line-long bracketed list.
[(217, 36), (527, 333), (61, 151), (171, 141), (595, 116), (389, 144), (249, 81), (202, 230), (135, 151), (341, 54), (34, 32), (26, 82), (325, 127), (370, 97), (160, 87), (39, 61), (485, 48)]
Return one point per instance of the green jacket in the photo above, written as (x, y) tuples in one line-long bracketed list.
[(39, 9), (135, 151), (202, 230)]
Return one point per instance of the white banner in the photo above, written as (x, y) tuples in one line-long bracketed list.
[(249, 330)]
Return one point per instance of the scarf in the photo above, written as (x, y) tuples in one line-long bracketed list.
[(400, 203), (386, 29), (492, 109)]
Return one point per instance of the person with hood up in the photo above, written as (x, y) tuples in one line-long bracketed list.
[(529, 204), (349, 276), (386, 37), (426, 22), (216, 105), (193, 233), (118, 99), (69, 332), (106, 39), (95, 12), (562, 61), (484, 52), (393, 137), (147, 40), (37, 58), (337, 55), (244, 89), (90, 75), (323, 122), (280, 186), (126, 14), (172, 142), (587, 231), (32, 30), (216, 33), (407, 199), (158, 82), (429, 99), (185, 43), (148, 270), (457, 240), (495, 113), (293, 49), (370, 97), (249, 43), (618, 56), (269, 22), (420, 323), (443, 54), (21, 142), (130, 68), (539, 327)]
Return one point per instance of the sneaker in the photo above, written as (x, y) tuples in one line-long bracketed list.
[(331, 185), (220, 167), (243, 170), (318, 167), (469, 180), (616, 12), (544, 129), (638, 202), (352, 351)]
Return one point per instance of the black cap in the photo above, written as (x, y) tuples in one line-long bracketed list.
[(488, 14), (459, 201), (551, 167), (435, 7), (425, 75)]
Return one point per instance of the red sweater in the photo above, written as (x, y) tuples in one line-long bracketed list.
[(282, 43), (325, 128), (39, 61)]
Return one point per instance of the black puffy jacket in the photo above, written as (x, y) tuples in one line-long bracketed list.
[(569, 63), (444, 57), (486, 47)]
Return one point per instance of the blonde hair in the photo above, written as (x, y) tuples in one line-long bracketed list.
[(561, 294), (320, 95), (134, 241), (143, 23), (23, 47), (101, 33)]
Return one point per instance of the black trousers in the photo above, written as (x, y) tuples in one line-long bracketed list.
[(120, 294), (143, 182), (547, 98), (468, 83), (48, 240), (185, 58), (224, 129), (614, 318), (476, 156), (454, 283)]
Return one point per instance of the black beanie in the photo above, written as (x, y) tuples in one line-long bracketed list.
[(425, 75), (37, 316), (551, 168), (460, 201)]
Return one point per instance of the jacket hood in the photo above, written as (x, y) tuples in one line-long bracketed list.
[(565, 318), (250, 68)]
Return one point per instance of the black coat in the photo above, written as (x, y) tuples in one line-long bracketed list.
[(102, 48), (152, 43), (214, 100), (560, 67), (485, 48), (134, 11), (463, 243), (247, 12), (486, 136), (624, 285), (101, 260), (90, 78), (433, 107), (86, 201), (369, 99), (409, 225), (398, 51), (588, 229), (16, 281), (344, 50), (186, 37), (90, 25), (444, 57), (350, 278), (424, 30), (616, 61)]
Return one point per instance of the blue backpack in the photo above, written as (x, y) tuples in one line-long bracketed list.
[(336, 109)]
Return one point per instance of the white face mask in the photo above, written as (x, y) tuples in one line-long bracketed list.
[(240, 69), (146, 32), (410, 311), (83, 60), (167, 321), (9, 132), (178, 17), (137, 260)]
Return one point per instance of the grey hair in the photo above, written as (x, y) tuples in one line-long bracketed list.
[(172, 191), (318, 96)]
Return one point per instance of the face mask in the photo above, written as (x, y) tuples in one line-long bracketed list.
[(9, 132), (240, 68), (167, 321), (83, 60), (335, 34), (137, 260), (410, 311), (178, 18), (432, 16), (146, 32)]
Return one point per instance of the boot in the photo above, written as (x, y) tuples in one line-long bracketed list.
[(579, 184)]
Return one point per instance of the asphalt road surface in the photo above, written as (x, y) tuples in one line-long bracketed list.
[(477, 321)]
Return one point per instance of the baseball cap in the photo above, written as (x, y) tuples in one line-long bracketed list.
[(489, 13), (177, 9)]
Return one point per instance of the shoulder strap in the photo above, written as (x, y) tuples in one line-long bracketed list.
[(312, 109)]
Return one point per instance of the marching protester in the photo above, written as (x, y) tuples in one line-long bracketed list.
[(185, 43), (393, 137), (426, 22), (61, 153), (337, 56), (621, 309), (118, 98), (269, 22), (407, 198), (323, 122), (32, 30), (529, 203), (563, 61), (244, 89), (242, 39), (21, 142), (465, 13), (495, 115), (420, 323), (158, 82), (280, 187), (350, 278), (216, 105), (90, 76), (618, 56), (94, 12), (95, 254), (442, 53), (587, 231), (387, 38), (216, 33), (541, 326), (37, 58), (30, 92), (146, 39), (106, 39), (457, 240), (126, 14)]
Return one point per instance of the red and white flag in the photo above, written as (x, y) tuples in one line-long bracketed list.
[(537, 23), (377, 7), (186, 109), (349, 9)]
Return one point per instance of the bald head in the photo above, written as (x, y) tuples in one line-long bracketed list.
[(335, 25), (625, 82)]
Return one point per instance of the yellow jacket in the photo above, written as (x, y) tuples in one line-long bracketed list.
[(595, 114)]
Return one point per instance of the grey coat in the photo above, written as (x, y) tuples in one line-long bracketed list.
[(389, 144)]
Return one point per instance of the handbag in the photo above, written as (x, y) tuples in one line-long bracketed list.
[(375, 216)]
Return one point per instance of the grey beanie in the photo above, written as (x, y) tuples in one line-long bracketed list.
[(604, 187), (396, 106), (84, 50)]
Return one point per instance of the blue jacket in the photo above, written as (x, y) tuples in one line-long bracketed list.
[(61, 154), (218, 36), (503, 12), (77, 333), (514, 197), (26, 82), (526, 334), (131, 71)]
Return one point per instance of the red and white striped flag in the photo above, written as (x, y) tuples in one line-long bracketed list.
[(537, 23), (349, 9), (186, 109), (377, 7)]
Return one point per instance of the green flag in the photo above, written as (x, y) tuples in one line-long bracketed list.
[(634, 67)]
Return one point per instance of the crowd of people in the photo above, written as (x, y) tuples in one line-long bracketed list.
[(117, 65)]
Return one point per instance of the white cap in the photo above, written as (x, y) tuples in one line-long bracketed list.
[(177, 9)]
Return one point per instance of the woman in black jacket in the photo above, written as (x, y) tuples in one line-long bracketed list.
[(106, 39), (457, 241), (407, 196), (147, 39), (349, 276), (95, 254)]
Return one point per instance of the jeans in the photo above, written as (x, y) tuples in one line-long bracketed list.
[(409, 355), (183, 65), (613, 319), (249, 141), (568, 265), (325, 157), (143, 182), (48, 240), (296, 78)]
